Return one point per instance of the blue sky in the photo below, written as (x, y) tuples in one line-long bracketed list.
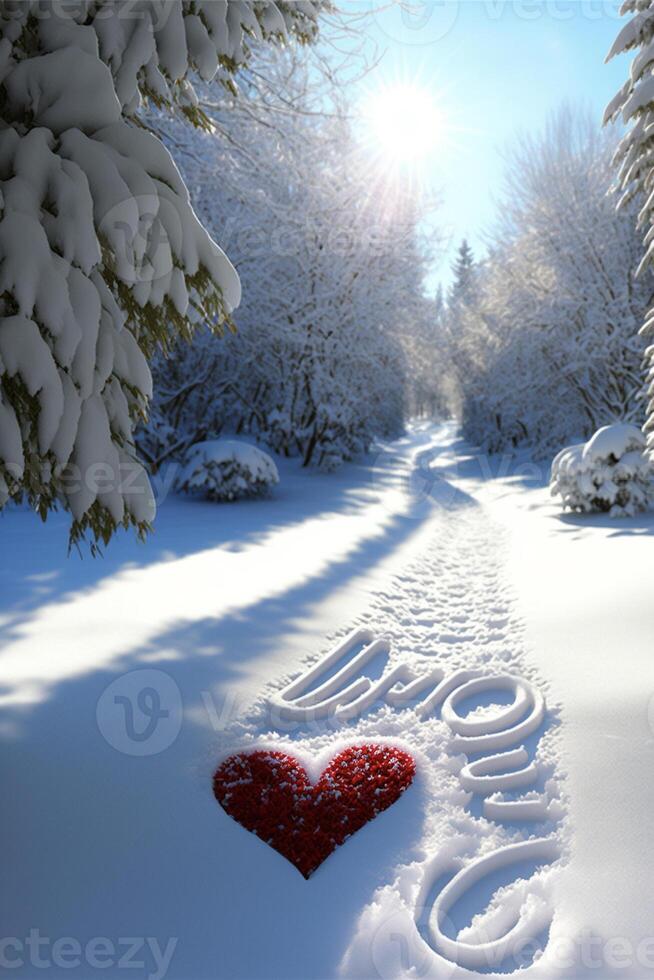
[(498, 67)]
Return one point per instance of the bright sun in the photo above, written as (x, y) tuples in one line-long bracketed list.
[(403, 123)]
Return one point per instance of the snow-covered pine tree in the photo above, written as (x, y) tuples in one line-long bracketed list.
[(102, 259), (463, 271), (635, 156), (439, 305), (461, 297)]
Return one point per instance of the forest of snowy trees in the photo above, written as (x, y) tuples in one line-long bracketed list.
[(334, 318), (545, 339), (542, 335), (109, 279), (194, 244)]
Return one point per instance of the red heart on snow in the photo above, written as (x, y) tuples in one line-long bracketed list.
[(270, 794)]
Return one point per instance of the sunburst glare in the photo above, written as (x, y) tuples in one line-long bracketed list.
[(403, 124)]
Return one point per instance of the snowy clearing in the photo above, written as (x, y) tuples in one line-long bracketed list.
[(453, 574)]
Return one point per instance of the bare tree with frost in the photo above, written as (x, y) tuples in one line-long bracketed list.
[(548, 351), (332, 266)]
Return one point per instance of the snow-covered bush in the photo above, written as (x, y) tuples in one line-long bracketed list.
[(102, 258), (225, 469), (609, 474), (566, 478)]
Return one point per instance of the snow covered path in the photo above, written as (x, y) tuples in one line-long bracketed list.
[(585, 587), (454, 572)]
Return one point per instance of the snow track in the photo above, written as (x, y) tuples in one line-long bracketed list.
[(437, 663)]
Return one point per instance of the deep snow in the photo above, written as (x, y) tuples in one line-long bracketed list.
[(454, 568)]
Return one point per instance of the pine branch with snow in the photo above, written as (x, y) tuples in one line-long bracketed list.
[(102, 258)]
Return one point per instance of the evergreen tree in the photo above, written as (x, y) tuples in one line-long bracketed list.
[(102, 259), (634, 103), (463, 270), (439, 303)]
